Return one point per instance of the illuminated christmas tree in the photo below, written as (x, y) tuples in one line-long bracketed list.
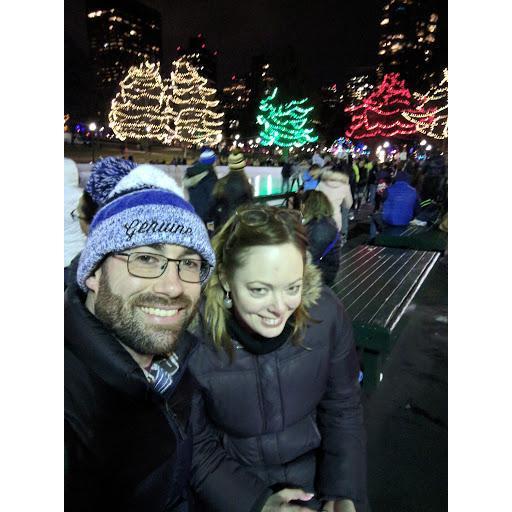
[(138, 110), (432, 120), (192, 106), (284, 125), (381, 113)]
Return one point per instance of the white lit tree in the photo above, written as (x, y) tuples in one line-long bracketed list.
[(138, 111), (433, 121), (192, 106)]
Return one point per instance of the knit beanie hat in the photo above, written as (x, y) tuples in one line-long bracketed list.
[(105, 175), (207, 157), (143, 217), (236, 161)]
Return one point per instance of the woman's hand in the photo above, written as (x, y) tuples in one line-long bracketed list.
[(279, 502), (340, 506)]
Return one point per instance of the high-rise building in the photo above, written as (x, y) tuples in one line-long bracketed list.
[(235, 100), (331, 96), (358, 84), (201, 57), (261, 79), (328, 111), (122, 33), (408, 41)]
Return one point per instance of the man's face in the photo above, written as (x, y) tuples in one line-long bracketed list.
[(147, 315)]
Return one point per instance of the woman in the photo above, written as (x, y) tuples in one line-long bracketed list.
[(230, 191), (323, 235), (278, 371), (335, 184)]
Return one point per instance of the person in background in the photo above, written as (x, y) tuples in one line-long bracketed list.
[(298, 168), (383, 182), (286, 172), (230, 191), (128, 394), (317, 159), (372, 181), (323, 235), (310, 178), (278, 371), (361, 181), (74, 238), (105, 175), (400, 205), (199, 181), (335, 184)]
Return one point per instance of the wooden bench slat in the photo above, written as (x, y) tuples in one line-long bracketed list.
[(393, 306), (367, 302), (366, 266)]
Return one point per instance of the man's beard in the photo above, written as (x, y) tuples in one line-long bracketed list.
[(124, 318)]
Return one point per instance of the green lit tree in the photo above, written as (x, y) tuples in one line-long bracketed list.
[(284, 124)]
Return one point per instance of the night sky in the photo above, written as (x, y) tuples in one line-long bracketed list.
[(328, 36)]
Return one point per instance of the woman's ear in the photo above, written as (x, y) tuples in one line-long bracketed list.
[(223, 281)]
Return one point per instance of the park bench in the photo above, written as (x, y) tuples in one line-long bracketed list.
[(421, 238), (376, 285)]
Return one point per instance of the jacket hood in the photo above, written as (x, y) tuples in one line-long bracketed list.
[(312, 284), (71, 178), (335, 179)]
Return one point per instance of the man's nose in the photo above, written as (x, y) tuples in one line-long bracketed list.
[(169, 283)]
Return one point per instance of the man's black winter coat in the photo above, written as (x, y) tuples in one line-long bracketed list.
[(127, 447)]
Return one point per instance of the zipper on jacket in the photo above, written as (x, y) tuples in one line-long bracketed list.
[(171, 414), (260, 394)]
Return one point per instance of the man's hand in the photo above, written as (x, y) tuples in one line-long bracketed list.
[(279, 502), (340, 506)]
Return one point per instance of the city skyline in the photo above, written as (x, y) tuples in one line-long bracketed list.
[(327, 41)]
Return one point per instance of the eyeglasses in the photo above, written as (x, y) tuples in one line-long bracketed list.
[(75, 216), (257, 217), (150, 266)]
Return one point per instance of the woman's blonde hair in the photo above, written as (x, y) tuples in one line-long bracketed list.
[(231, 245), (316, 205)]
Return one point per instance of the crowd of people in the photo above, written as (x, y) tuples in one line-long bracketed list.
[(208, 364)]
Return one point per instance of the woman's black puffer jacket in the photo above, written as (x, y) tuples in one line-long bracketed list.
[(321, 232), (288, 418)]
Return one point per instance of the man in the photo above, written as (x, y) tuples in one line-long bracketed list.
[(200, 180), (128, 393), (401, 205)]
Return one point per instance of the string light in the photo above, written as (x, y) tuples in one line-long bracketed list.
[(433, 119), (192, 106), (138, 110), (284, 124), (381, 113)]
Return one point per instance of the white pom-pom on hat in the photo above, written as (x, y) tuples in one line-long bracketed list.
[(145, 176)]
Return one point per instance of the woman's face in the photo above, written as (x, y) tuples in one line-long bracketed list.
[(267, 288)]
